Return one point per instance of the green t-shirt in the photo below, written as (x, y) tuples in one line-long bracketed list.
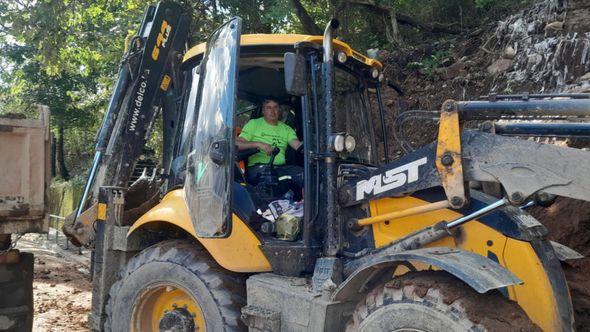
[(258, 130)]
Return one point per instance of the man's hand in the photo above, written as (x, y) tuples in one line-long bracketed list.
[(267, 148)]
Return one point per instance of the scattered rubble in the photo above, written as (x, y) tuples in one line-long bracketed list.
[(61, 287), (500, 66)]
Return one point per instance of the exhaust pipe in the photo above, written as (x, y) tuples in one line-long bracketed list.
[(333, 238), (328, 36)]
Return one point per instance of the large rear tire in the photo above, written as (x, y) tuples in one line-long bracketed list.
[(175, 286), (436, 301), (16, 294)]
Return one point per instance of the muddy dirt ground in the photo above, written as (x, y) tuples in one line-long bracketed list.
[(61, 287)]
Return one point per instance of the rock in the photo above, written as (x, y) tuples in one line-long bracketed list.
[(585, 77), (452, 71), (509, 53), (553, 28), (585, 87), (533, 60), (499, 66), (446, 62)]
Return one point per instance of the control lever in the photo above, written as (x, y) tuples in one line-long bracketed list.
[(275, 152), (268, 177)]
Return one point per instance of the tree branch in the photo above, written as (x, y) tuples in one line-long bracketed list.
[(407, 20), (307, 21)]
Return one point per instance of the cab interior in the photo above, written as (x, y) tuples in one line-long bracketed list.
[(260, 78)]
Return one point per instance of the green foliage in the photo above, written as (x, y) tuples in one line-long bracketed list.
[(493, 9), (64, 196), (66, 53), (63, 54), (428, 65)]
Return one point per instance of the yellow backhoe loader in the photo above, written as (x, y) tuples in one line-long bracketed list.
[(381, 245)]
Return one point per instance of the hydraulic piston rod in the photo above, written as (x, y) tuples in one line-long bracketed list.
[(477, 214), (423, 236)]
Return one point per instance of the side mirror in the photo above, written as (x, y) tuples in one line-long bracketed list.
[(295, 74), (219, 152)]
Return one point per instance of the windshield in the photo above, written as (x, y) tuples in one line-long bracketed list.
[(352, 113)]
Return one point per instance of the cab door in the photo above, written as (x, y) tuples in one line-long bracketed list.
[(210, 161)]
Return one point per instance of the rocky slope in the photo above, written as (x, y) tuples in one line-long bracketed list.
[(543, 48)]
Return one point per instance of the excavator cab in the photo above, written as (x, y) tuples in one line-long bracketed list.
[(226, 84)]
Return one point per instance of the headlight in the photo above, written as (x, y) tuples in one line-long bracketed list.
[(349, 143), (338, 142), (342, 57), (375, 73)]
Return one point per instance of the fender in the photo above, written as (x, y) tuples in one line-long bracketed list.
[(238, 252), (509, 237), (479, 272)]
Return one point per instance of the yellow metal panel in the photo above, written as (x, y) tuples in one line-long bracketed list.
[(386, 232), (535, 296), (449, 144), (239, 252), (102, 212), (165, 83), (291, 39)]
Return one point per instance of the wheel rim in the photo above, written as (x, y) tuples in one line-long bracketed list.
[(167, 305)]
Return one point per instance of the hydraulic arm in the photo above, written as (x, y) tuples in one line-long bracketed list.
[(523, 168), (148, 71)]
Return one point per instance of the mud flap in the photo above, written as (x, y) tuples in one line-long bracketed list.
[(479, 272), (16, 293)]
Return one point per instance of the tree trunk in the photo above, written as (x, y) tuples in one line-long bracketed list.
[(340, 10), (307, 21), (61, 164), (391, 28), (397, 18), (254, 21)]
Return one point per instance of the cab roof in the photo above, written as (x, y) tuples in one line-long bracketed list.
[(288, 40)]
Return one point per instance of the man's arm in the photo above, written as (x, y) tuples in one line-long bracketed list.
[(292, 139), (295, 144), (246, 139), (244, 144)]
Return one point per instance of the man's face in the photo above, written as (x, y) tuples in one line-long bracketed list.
[(271, 111)]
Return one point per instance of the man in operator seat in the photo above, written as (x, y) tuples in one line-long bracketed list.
[(265, 134)]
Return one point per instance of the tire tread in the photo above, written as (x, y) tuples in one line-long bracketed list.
[(227, 288), (449, 296)]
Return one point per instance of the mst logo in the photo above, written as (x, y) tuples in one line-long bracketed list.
[(161, 40), (391, 179)]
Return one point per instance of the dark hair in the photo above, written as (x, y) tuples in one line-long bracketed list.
[(268, 100)]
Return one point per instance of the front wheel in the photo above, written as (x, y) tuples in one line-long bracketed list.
[(175, 286), (436, 301)]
